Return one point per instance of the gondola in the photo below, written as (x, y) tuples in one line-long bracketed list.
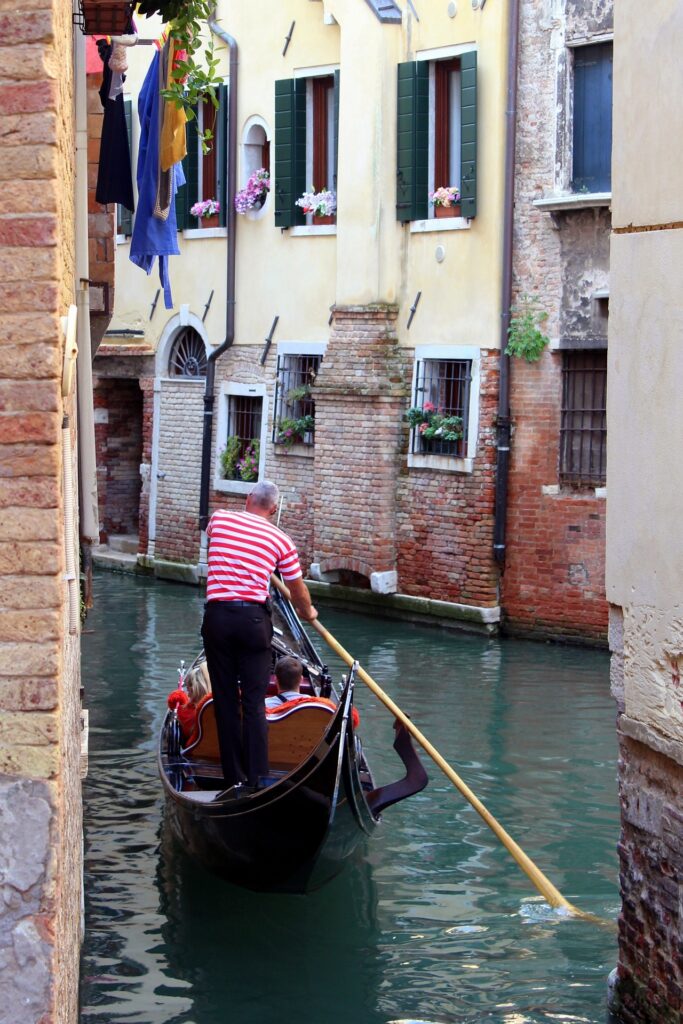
[(319, 802)]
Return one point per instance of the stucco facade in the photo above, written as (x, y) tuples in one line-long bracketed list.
[(644, 562), (357, 502)]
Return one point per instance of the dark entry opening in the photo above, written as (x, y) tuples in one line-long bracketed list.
[(118, 434)]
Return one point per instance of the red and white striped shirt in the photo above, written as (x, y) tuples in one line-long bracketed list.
[(244, 549)]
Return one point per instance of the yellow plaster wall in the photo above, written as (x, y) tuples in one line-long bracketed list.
[(372, 257)]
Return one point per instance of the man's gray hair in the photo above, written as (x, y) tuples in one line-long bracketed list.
[(265, 494)]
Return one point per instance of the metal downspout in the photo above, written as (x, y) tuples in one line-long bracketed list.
[(503, 422), (231, 223)]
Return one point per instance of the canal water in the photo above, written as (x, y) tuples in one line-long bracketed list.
[(434, 922)]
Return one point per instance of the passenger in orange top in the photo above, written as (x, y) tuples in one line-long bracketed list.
[(288, 675)]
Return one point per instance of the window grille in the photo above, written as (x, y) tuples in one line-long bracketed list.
[(583, 429), (244, 433), (294, 404), (442, 386), (188, 355)]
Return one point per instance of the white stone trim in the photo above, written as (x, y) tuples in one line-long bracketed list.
[(316, 72), (255, 391), (304, 230), (301, 348), (445, 463), (205, 233), (444, 52), (440, 224), (573, 201), (182, 319)]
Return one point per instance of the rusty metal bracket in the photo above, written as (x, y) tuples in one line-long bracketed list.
[(289, 36), (269, 341), (207, 307), (412, 310)]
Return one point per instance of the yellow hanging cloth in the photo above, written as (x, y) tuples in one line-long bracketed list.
[(173, 145)]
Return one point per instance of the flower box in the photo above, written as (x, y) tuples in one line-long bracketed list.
[(210, 222), (106, 17), (447, 211), (319, 218)]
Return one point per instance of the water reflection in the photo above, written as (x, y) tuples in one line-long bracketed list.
[(435, 922)]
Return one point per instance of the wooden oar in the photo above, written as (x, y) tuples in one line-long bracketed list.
[(543, 884)]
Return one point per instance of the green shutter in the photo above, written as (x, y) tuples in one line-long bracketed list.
[(124, 216), (191, 166), (412, 141), (336, 126), (222, 152), (468, 136), (290, 150)]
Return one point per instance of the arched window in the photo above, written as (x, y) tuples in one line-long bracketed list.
[(188, 355)]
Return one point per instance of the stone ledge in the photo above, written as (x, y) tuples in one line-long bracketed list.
[(416, 609), (673, 749)]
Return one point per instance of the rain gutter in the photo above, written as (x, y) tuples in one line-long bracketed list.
[(231, 224), (503, 420)]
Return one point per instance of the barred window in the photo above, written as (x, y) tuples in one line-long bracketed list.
[(294, 419), (583, 429), (441, 406), (240, 457)]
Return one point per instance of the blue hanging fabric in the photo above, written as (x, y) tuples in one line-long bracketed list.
[(155, 232)]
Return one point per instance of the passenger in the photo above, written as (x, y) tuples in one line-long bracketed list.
[(186, 702), (288, 676)]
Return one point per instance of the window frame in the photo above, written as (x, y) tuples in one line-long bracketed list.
[(196, 163), (293, 350), (447, 462), (228, 390), (573, 479), (578, 185)]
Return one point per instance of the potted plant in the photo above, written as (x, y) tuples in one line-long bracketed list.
[(229, 457), (446, 201), (434, 425), (247, 466), (296, 430), (254, 193), (299, 393), (106, 17), (322, 205), (206, 211)]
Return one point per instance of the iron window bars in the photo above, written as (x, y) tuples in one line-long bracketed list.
[(295, 375), (244, 429), (445, 384), (583, 428)]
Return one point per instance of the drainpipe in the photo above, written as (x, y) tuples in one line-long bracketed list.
[(231, 222), (503, 422)]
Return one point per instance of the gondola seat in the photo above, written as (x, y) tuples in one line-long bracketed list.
[(291, 737)]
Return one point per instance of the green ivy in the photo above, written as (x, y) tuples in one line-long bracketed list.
[(195, 78), (525, 337), (229, 457)]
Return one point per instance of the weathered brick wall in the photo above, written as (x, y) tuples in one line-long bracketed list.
[(147, 389), (180, 453), (554, 576), (650, 970), (445, 520), (40, 800), (360, 398), (118, 445)]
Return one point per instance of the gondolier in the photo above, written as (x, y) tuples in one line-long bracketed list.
[(245, 548)]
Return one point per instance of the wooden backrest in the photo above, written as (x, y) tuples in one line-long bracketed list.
[(290, 739)]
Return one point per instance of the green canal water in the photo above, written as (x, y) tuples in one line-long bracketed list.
[(434, 922)]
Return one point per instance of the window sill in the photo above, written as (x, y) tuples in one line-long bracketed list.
[(442, 463), (232, 486), (557, 491), (304, 230), (418, 227), (122, 239), (205, 233), (574, 201), (304, 451)]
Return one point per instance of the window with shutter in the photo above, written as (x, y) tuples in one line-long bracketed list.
[(592, 135), (437, 133), (290, 150), (205, 173)]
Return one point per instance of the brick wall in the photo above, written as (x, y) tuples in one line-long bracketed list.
[(118, 441), (40, 800), (444, 520), (180, 451), (554, 575)]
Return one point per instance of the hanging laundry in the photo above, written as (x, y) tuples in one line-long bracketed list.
[(155, 232), (173, 138), (114, 172)]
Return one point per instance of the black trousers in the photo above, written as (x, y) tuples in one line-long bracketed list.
[(237, 642)]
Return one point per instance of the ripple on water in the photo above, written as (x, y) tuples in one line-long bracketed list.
[(435, 923)]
